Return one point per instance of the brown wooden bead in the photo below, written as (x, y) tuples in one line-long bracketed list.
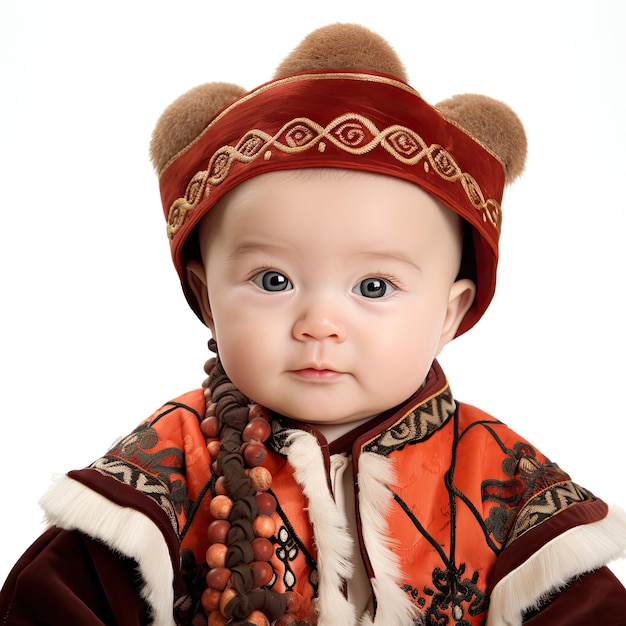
[(217, 578), (266, 503), (220, 507), (258, 619), (264, 526), (262, 548), (210, 599), (260, 478), (256, 430), (213, 446), (220, 486), (216, 467), (254, 453), (210, 427), (227, 596), (216, 619), (262, 572), (297, 605), (216, 555)]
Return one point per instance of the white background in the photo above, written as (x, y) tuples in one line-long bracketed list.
[(95, 332)]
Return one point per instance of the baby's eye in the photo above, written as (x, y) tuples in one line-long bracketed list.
[(272, 281), (373, 287)]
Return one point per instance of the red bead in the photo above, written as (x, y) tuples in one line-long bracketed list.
[(262, 572), (262, 548), (210, 427), (265, 503), (218, 531), (254, 453), (258, 411), (256, 430), (217, 578)]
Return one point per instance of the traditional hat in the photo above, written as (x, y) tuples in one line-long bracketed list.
[(340, 100)]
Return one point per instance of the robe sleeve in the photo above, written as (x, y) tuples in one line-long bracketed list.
[(66, 577), (555, 574), (596, 598)]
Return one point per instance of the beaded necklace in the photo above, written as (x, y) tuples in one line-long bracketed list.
[(242, 527)]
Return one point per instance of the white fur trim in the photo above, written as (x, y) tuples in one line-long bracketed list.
[(375, 500), (330, 528), (577, 551), (71, 505)]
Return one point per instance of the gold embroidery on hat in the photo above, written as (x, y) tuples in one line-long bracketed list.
[(350, 132), (196, 190)]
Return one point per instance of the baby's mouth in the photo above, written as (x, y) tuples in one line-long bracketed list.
[(312, 373)]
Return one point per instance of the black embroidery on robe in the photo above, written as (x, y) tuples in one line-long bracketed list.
[(534, 492), (288, 546), (158, 474)]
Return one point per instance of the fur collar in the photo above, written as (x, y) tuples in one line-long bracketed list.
[(334, 542)]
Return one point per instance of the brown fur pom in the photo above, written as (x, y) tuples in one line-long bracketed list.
[(186, 118), (494, 124), (343, 46)]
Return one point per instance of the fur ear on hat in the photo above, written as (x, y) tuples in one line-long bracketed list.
[(343, 47), (186, 118), (492, 123)]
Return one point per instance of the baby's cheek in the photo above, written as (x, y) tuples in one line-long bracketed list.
[(247, 364)]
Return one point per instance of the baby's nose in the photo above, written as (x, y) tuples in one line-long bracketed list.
[(320, 320)]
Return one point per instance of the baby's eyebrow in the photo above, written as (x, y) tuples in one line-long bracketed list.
[(253, 246), (391, 255)]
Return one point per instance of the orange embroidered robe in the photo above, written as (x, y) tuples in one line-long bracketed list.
[(458, 520)]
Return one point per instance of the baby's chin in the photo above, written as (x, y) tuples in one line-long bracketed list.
[(319, 421), (319, 416)]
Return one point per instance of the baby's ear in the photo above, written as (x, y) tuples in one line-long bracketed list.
[(196, 278), (461, 298)]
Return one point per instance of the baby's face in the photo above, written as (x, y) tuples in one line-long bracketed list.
[(329, 291)]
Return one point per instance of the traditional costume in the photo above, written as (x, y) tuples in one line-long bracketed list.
[(459, 521), (215, 510)]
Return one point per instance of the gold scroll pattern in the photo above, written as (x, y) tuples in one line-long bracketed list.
[(353, 133)]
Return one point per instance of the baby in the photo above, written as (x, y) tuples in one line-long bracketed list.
[(334, 232)]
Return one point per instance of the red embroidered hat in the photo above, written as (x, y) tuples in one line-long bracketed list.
[(346, 109)]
